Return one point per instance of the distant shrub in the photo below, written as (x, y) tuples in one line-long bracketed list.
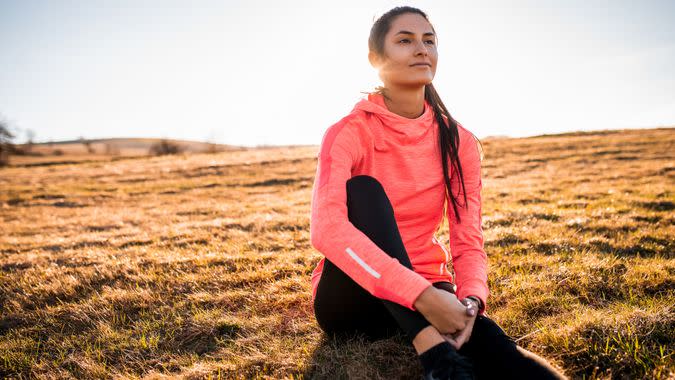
[(165, 147), (57, 152)]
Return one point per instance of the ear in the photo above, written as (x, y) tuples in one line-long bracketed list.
[(373, 58)]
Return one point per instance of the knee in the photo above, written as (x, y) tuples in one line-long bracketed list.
[(488, 333), (365, 190), (363, 181)]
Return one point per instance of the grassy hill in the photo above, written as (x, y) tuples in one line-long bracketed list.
[(197, 266), (75, 151)]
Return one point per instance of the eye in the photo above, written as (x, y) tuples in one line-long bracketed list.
[(432, 42), (405, 39)]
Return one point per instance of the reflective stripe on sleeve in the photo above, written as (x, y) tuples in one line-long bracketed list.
[(362, 263)]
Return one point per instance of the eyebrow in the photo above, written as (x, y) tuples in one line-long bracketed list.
[(407, 32)]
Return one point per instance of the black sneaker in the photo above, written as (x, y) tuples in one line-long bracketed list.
[(451, 366)]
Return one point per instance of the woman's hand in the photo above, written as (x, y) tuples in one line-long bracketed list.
[(458, 339), (443, 310)]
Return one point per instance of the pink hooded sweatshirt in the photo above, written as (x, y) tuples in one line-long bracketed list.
[(404, 156)]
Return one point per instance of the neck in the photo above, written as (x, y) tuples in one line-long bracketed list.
[(405, 102)]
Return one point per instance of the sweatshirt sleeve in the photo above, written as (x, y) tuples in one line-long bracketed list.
[(339, 240), (466, 238)]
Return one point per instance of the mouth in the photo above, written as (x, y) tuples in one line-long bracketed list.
[(421, 64)]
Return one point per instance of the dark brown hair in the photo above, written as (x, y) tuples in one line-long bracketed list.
[(449, 135)]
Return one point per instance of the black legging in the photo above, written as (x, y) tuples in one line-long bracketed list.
[(343, 307)]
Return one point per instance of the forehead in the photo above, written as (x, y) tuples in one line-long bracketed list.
[(410, 22)]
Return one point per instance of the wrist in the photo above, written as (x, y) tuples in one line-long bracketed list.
[(423, 299), (476, 301)]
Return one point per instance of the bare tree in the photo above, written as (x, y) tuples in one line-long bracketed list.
[(87, 144), (6, 145)]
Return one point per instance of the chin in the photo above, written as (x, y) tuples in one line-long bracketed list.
[(421, 83), (423, 80)]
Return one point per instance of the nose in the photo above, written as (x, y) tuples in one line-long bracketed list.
[(420, 48)]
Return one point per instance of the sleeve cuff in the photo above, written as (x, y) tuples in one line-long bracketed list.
[(481, 304), (474, 288), (403, 286), (413, 290)]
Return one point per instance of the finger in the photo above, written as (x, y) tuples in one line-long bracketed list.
[(451, 341), (460, 340), (450, 333), (465, 335)]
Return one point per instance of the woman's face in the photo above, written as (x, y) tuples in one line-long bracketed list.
[(410, 50)]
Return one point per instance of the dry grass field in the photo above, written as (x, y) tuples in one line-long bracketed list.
[(198, 266)]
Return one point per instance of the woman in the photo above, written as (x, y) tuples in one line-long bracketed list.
[(381, 184)]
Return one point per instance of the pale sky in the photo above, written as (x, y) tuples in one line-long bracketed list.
[(281, 72)]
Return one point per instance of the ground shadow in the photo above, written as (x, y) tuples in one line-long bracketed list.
[(357, 356)]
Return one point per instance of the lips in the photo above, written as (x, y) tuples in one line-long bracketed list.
[(421, 64)]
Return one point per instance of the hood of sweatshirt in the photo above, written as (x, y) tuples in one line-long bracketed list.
[(392, 128)]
